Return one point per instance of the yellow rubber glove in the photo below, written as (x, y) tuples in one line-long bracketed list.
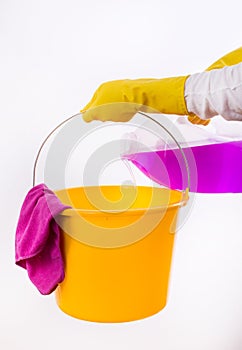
[(157, 95), (149, 95)]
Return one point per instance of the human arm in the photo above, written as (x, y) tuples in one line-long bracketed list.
[(119, 100), (215, 92)]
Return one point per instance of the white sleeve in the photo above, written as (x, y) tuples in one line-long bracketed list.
[(216, 92)]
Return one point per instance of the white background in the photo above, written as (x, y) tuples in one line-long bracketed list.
[(53, 55)]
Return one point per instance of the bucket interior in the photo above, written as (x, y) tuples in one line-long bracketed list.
[(117, 199)]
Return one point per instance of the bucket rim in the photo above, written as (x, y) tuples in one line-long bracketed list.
[(128, 212), (125, 212)]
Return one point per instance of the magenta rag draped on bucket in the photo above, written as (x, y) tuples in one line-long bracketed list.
[(214, 168)]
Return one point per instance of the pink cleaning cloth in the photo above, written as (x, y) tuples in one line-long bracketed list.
[(37, 241)]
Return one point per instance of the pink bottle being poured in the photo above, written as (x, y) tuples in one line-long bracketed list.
[(214, 162)]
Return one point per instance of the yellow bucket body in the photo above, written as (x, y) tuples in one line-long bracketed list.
[(127, 280)]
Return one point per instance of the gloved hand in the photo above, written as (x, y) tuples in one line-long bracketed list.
[(148, 95), (157, 95)]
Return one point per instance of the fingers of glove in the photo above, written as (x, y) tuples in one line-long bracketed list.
[(107, 92), (194, 119), (117, 112), (91, 103), (88, 115)]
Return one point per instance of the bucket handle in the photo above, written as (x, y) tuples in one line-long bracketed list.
[(44, 142), (142, 113)]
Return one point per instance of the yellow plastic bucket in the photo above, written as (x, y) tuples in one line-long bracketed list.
[(116, 240), (124, 280)]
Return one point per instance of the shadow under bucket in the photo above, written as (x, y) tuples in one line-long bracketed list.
[(117, 260)]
